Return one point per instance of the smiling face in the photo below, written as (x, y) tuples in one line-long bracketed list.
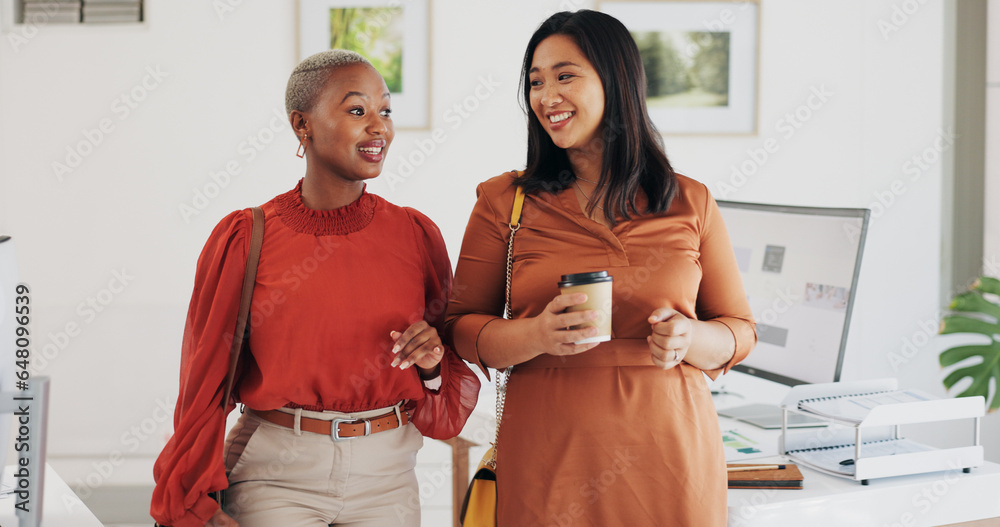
[(567, 95), (349, 127)]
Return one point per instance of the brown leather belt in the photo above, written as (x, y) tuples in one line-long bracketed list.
[(338, 429)]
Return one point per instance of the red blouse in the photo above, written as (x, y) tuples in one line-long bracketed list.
[(330, 287)]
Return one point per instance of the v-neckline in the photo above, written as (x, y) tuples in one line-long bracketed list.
[(613, 239), (582, 205)]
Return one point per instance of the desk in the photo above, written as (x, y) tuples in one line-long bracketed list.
[(931, 499), (937, 498), (62, 508)]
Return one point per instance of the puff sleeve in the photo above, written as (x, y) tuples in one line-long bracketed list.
[(191, 464), (441, 413)]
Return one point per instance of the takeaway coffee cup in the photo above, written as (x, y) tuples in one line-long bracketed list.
[(597, 287)]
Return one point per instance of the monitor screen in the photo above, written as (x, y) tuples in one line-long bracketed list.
[(800, 269)]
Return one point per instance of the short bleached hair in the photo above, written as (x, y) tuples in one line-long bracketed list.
[(311, 75)]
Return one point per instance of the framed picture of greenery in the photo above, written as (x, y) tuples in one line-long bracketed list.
[(700, 59), (393, 34)]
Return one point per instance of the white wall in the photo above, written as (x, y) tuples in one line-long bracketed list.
[(223, 79)]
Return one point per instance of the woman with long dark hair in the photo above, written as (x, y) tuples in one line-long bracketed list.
[(621, 432)]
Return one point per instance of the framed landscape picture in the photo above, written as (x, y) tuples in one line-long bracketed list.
[(393, 34), (700, 59)]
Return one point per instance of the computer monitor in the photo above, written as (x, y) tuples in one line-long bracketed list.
[(800, 269)]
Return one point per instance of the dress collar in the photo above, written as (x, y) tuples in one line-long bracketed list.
[(347, 219)]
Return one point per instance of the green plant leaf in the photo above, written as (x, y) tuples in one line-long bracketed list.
[(962, 324), (973, 302), (987, 284), (986, 372), (959, 353), (980, 375)]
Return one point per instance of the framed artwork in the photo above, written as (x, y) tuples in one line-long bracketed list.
[(393, 34), (700, 59)]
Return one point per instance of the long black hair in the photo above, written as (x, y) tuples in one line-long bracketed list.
[(633, 149)]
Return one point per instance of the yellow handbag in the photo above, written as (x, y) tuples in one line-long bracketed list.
[(480, 506), (479, 509)]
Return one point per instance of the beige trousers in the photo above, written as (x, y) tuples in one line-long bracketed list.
[(289, 478)]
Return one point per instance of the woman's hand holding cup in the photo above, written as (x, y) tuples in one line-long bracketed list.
[(598, 286), (670, 339), (550, 328)]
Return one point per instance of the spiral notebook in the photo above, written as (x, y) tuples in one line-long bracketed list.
[(854, 408), (840, 458)]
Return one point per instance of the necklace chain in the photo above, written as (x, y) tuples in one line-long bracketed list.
[(585, 196)]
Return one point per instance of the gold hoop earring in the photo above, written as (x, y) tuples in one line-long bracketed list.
[(301, 150)]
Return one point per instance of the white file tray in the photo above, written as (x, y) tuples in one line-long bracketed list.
[(882, 452)]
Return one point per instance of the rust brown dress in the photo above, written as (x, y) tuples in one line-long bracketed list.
[(604, 438)]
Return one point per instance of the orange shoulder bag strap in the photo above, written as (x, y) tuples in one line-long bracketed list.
[(249, 278)]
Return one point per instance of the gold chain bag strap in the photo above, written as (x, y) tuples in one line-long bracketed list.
[(479, 509)]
